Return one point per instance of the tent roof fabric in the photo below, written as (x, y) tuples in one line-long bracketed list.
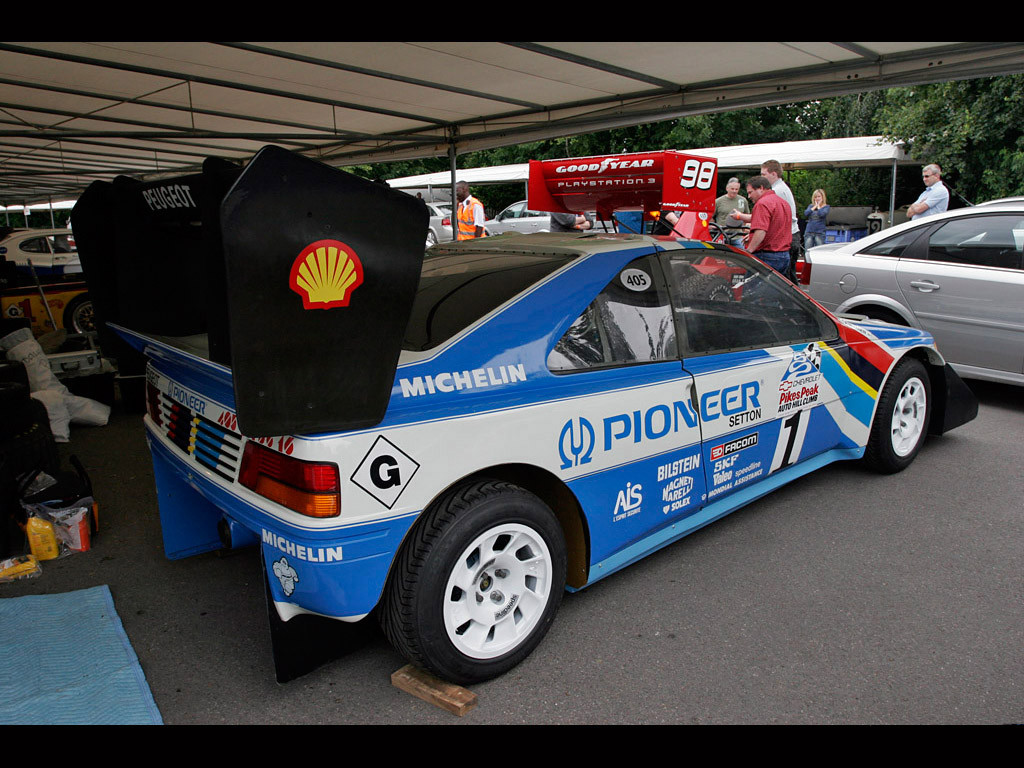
[(74, 112)]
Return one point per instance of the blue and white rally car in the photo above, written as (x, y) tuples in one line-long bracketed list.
[(550, 409)]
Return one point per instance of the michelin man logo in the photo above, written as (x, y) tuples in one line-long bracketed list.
[(805, 361), (286, 575)]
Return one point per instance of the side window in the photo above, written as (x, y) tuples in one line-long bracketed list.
[(513, 212), (988, 241), (35, 245), (629, 322), (63, 244), (725, 302), (894, 246)]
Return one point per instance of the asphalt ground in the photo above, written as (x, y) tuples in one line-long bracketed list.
[(844, 598)]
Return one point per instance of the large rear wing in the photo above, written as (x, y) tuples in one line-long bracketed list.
[(651, 182), (301, 276)]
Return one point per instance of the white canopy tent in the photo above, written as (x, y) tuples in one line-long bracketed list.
[(49, 207), (72, 112), (861, 151)]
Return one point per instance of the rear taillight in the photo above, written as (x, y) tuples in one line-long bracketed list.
[(447, 221), (803, 271), (308, 487), (153, 403)]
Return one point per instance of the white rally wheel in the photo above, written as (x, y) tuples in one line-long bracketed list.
[(909, 417), (498, 591)]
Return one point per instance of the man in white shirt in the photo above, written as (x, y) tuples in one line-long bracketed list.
[(772, 170), (934, 199)]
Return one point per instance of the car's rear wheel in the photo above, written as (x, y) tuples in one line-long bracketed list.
[(431, 238), (78, 315), (477, 584), (901, 418)]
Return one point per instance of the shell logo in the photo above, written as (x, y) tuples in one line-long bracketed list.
[(325, 274)]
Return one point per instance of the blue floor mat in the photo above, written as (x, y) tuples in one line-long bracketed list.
[(66, 660)]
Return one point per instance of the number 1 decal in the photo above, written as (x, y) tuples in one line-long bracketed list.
[(791, 440)]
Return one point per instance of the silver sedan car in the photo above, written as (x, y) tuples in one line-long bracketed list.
[(958, 275), (518, 218), (440, 227)]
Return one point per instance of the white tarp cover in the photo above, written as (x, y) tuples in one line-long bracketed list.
[(821, 153)]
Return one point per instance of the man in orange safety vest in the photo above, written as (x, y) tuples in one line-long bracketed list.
[(470, 214)]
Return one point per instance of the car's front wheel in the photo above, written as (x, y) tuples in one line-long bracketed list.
[(901, 418), (477, 584)]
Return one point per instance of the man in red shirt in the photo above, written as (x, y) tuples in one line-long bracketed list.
[(770, 233)]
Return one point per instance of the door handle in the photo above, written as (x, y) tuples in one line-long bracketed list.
[(925, 286)]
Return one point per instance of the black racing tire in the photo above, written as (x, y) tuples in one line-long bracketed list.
[(477, 583), (707, 287), (901, 418), (16, 413), (78, 315), (13, 371), (32, 447)]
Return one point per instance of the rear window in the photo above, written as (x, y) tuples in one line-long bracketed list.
[(457, 290)]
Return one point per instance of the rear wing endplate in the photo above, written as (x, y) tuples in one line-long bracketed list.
[(302, 275)]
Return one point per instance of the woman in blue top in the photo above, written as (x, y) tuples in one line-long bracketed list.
[(816, 214)]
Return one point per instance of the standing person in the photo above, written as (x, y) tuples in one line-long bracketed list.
[(772, 170), (571, 222), (816, 215), (934, 199), (725, 208), (770, 235), (470, 214)]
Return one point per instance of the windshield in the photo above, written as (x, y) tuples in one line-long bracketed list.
[(457, 290)]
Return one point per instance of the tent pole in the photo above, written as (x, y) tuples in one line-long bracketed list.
[(455, 201), (52, 225), (892, 193)]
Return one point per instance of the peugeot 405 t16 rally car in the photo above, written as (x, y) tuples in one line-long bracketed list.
[(450, 442)]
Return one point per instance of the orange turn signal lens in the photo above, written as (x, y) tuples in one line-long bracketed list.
[(307, 487)]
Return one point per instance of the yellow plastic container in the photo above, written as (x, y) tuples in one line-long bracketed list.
[(21, 567), (42, 541)]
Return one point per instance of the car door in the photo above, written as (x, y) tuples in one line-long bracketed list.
[(65, 255), (965, 285), (534, 221), (38, 251), (629, 445), (769, 388), (507, 220)]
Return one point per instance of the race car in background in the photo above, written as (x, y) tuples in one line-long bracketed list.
[(448, 444), (43, 262)]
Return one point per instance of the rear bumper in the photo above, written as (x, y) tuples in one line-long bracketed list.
[(337, 572)]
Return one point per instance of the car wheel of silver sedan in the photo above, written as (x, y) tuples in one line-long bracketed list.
[(478, 582), (901, 418)]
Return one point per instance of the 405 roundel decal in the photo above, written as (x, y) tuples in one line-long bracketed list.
[(325, 274)]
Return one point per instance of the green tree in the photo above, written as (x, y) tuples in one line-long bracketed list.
[(974, 129)]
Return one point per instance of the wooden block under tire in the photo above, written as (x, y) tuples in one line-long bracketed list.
[(433, 690)]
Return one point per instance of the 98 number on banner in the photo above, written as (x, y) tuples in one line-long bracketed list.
[(697, 174)]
